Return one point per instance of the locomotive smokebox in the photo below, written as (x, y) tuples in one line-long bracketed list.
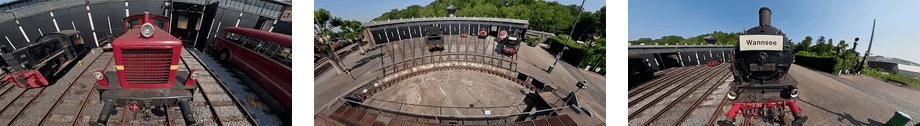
[(765, 14)]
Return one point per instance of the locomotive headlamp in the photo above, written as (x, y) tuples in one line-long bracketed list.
[(732, 95), (192, 78), (98, 75), (794, 93), (194, 75), (147, 30), (100, 78)]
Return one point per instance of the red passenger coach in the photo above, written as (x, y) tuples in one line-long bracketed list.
[(146, 71), (265, 56)]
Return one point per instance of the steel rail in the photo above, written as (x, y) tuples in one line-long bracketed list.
[(685, 95), (441, 116), (223, 86), (668, 93), (27, 105)]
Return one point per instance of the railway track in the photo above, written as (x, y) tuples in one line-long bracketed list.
[(319, 62), (673, 107), (674, 85), (694, 74), (76, 97), (718, 113), (321, 70), (664, 76), (700, 100), (31, 105), (220, 100), (681, 97)]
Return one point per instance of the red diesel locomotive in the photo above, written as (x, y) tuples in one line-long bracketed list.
[(146, 74)]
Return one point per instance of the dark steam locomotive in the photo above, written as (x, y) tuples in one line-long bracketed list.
[(434, 40), (762, 89), (48, 56)]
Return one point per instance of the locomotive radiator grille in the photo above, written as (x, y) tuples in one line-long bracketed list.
[(146, 66)]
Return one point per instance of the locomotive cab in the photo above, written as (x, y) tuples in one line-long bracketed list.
[(146, 74)]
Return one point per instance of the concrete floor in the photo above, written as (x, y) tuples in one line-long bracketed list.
[(535, 61), (453, 88), (531, 60)]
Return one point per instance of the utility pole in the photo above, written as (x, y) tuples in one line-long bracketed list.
[(565, 45), (866, 56)]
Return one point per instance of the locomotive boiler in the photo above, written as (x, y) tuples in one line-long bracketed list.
[(146, 74), (762, 88), (33, 65)]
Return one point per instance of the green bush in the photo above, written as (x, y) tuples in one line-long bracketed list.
[(827, 62), (537, 39), (573, 55), (912, 82), (812, 60), (582, 55), (846, 61)]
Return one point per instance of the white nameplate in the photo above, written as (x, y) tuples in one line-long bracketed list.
[(761, 42)]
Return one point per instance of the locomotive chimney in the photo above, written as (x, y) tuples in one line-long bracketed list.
[(451, 9), (765, 14)]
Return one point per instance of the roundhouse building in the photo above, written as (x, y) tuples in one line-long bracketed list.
[(195, 21)]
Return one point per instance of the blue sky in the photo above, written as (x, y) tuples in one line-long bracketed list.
[(365, 10), (895, 31)]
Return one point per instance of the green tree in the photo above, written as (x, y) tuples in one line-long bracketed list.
[(805, 45), (411, 12), (670, 40), (646, 41), (542, 15), (601, 42), (573, 9), (842, 45), (487, 10), (323, 23), (601, 17), (829, 47), (352, 32)]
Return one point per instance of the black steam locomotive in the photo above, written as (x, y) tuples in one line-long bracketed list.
[(762, 88), (434, 41), (46, 57)]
